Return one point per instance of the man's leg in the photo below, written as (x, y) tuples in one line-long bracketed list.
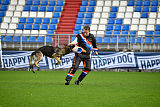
[(87, 69), (73, 69)]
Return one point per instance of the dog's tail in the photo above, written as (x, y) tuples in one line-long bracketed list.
[(30, 61)]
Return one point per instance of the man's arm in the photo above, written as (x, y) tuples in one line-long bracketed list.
[(94, 44), (74, 42)]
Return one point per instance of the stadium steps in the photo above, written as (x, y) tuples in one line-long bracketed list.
[(68, 19)]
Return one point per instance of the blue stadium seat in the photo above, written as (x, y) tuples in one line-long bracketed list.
[(44, 2), (60, 3), (92, 3), (114, 39), (133, 32), (99, 39), (137, 9), (125, 27), (48, 39), (34, 8), (139, 3), (131, 3), (145, 9), (82, 9), (107, 40), (40, 39), (54, 21), (52, 27), (8, 39), (112, 15), (0, 19), (157, 33), (109, 27), (154, 9), (32, 39), (123, 39), (50, 33), (77, 27), (108, 33), (30, 20), (16, 38), (24, 39), (117, 27), (29, 2), (36, 2), (58, 9), (81, 15), (36, 26), (38, 20), (3, 8), (42, 8), (56, 15), (20, 26), (119, 21), (111, 21), (50, 9), (52, 3), (156, 40), (89, 15), (157, 27), (79, 21), (75, 32), (149, 33), (27, 8), (2, 13), (124, 32), (91, 9), (87, 21), (1, 38), (155, 3), (84, 3), (28, 26), (131, 39), (114, 9), (116, 32), (5, 2), (148, 40), (144, 15), (44, 26), (139, 40), (46, 20), (147, 3), (22, 20)]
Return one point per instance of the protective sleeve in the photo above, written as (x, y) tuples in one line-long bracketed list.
[(94, 44)]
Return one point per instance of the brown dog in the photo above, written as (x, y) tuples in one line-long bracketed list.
[(49, 51)]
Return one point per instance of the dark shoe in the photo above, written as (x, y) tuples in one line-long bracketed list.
[(67, 82), (77, 82)]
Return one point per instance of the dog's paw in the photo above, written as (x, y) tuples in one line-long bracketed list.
[(33, 71), (57, 63)]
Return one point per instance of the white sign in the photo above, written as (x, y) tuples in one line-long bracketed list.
[(121, 59), (19, 60), (149, 62)]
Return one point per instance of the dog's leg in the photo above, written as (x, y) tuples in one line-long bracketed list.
[(32, 68), (38, 58), (59, 61), (60, 57)]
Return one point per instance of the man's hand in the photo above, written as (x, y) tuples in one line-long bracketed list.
[(95, 52)]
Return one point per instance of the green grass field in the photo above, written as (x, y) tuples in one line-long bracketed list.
[(99, 89)]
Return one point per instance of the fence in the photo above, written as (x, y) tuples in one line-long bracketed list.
[(108, 42)]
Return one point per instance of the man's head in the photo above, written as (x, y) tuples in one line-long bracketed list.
[(86, 30)]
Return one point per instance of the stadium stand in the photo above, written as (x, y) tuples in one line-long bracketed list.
[(139, 19)]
